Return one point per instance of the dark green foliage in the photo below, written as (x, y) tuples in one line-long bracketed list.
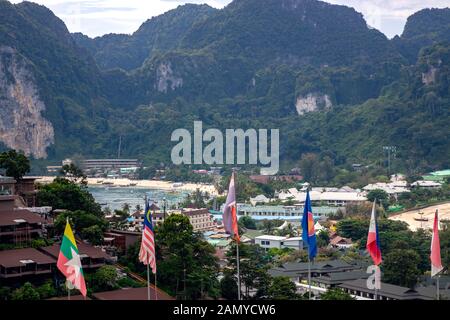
[(26, 292), (5, 293), (253, 267), (104, 279), (185, 260), (84, 224), (335, 294), (247, 222), (47, 290), (229, 287), (282, 288), (400, 267), (16, 165), (65, 194)]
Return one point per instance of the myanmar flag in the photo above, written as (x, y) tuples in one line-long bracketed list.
[(69, 262)]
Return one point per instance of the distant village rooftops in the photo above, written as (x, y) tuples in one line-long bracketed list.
[(426, 184)]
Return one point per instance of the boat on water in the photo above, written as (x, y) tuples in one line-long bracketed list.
[(133, 184), (108, 183), (421, 217), (99, 181)]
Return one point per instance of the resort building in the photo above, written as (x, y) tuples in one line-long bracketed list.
[(282, 212), (102, 164), (25, 262), (91, 257), (299, 270), (200, 219), (426, 184), (268, 242), (323, 196), (387, 291), (20, 226), (393, 188)]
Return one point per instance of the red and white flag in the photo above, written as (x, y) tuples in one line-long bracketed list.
[(435, 256), (373, 241), (230, 213)]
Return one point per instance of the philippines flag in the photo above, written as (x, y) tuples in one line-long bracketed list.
[(435, 256), (230, 213), (373, 241), (309, 232)]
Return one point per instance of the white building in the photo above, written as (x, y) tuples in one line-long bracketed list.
[(426, 184), (259, 199), (393, 188), (268, 242), (336, 197)]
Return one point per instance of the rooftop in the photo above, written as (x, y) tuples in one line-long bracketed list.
[(15, 217), (84, 249), (390, 290), (195, 212), (269, 237), (132, 294), (21, 257)]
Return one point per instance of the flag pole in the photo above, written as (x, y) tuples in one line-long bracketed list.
[(156, 289), (148, 282), (437, 287), (238, 272), (309, 277)]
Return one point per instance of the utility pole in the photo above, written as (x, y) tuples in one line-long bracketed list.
[(120, 146), (390, 149), (164, 207)]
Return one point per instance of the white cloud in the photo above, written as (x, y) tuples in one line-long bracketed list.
[(97, 17)]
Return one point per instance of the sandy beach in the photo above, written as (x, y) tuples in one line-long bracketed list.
[(408, 216), (151, 184)]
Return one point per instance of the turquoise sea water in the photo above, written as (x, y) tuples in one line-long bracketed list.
[(116, 197)]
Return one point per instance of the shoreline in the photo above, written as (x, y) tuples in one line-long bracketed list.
[(150, 184)]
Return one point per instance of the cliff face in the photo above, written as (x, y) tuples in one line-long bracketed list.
[(22, 125)]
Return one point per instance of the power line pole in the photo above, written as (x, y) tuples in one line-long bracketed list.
[(390, 149)]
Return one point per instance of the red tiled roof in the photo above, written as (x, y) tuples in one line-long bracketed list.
[(336, 240), (7, 217), (132, 294), (12, 258), (75, 298), (83, 248)]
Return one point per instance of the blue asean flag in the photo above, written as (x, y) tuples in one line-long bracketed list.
[(309, 233)]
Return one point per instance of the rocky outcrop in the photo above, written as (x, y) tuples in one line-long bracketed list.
[(429, 77), (22, 126), (312, 102), (165, 78)]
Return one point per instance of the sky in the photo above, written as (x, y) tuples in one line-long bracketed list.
[(99, 17)]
